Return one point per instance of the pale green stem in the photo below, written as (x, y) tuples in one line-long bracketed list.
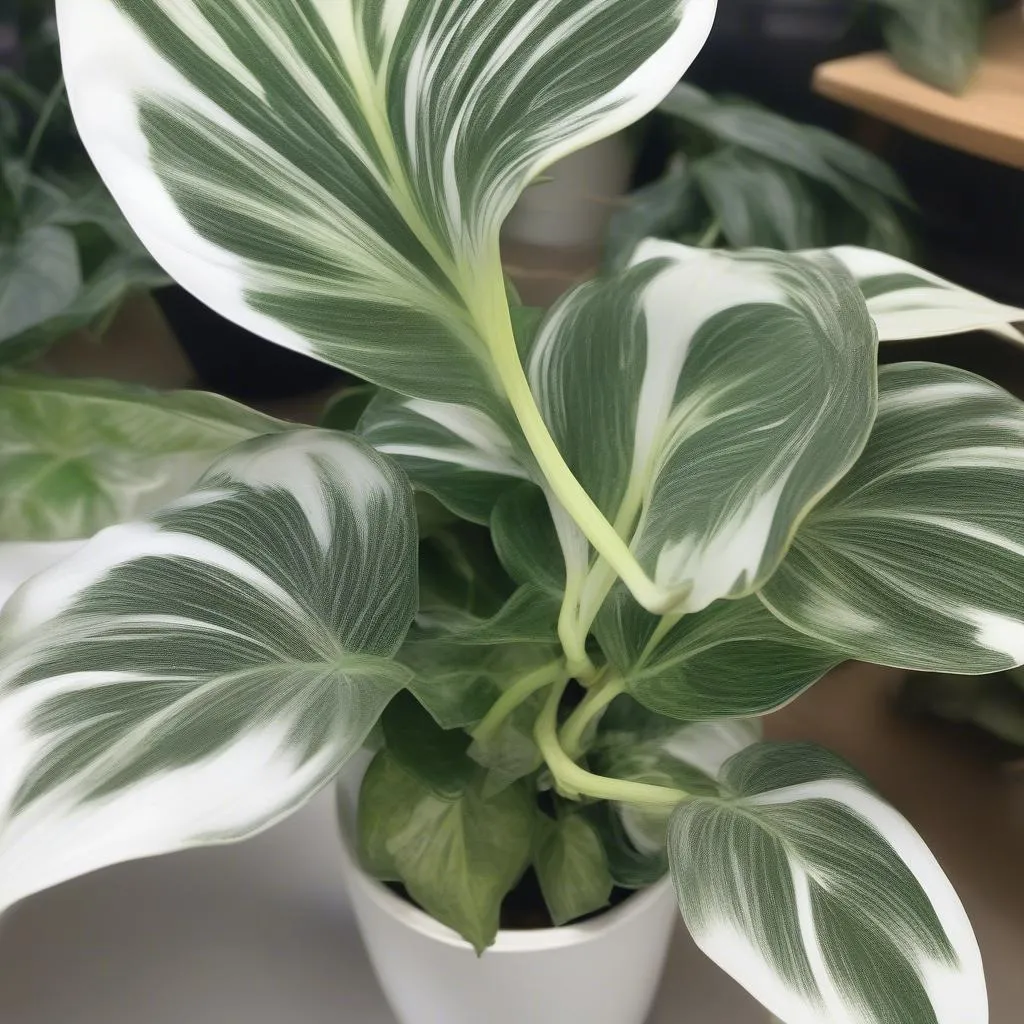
[(516, 695), (575, 782), (495, 320), (590, 708)]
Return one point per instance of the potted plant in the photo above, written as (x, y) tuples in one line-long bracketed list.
[(739, 175), (672, 504)]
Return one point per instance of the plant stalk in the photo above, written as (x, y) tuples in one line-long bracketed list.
[(514, 696), (591, 707), (575, 782)]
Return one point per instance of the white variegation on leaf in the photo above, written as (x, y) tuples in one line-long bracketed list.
[(332, 174), (193, 678), (820, 899), (706, 401), (916, 559), (907, 302), (457, 453), (79, 455)]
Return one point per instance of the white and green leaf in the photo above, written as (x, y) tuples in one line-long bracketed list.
[(193, 678), (907, 302), (916, 558), (460, 455), (707, 401), (732, 659), (79, 455), (332, 174), (820, 899)]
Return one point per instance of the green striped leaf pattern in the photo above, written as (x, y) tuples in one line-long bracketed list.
[(706, 401), (195, 677), (907, 302), (332, 174), (79, 455), (459, 454), (915, 558), (733, 659), (820, 899)]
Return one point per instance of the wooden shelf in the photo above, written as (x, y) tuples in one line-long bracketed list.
[(987, 121)]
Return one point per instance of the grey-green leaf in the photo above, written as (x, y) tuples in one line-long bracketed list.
[(820, 899), (196, 677), (40, 276), (732, 659), (79, 455), (915, 559)]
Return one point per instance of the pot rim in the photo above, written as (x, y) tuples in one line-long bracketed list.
[(526, 940)]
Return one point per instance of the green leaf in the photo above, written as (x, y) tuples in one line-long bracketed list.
[(914, 559), (79, 455), (462, 662), (706, 401), (511, 753), (759, 202), (629, 867), (669, 206), (194, 678), (436, 756), (937, 41), (39, 279), (907, 302), (526, 539), (571, 867), (458, 856), (820, 899), (345, 409), (459, 455), (813, 152), (461, 579), (732, 659), (333, 174), (104, 290)]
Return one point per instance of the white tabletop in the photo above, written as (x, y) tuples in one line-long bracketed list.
[(259, 933)]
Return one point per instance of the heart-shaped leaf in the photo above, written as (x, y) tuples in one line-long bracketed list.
[(194, 678)]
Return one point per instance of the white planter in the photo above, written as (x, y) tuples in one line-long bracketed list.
[(574, 207), (605, 971)]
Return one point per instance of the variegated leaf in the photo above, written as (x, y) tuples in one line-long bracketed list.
[(332, 174), (820, 899), (460, 455), (733, 659), (79, 455), (706, 401), (193, 678), (907, 302), (916, 558)]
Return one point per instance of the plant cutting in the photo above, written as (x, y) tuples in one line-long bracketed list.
[(742, 176), (673, 503)]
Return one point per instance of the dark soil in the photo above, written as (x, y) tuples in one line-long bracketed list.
[(524, 906)]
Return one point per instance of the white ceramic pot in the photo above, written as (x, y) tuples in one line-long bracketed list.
[(604, 971), (573, 207)]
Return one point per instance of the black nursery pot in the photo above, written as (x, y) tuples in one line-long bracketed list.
[(234, 361)]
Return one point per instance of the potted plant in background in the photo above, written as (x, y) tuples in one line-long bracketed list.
[(672, 504), (739, 176)]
